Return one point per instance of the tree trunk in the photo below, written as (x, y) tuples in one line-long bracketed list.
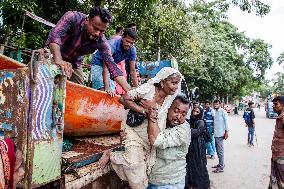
[(6, 39)]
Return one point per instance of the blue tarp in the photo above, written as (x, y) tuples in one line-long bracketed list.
[(150, 69)]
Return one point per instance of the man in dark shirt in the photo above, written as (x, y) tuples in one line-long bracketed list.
[(76, 35), (250, 123)]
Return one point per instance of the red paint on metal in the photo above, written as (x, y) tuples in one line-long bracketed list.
[(91, 112), (9, 63)]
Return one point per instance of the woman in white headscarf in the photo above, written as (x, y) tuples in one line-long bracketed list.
[(135, 163)]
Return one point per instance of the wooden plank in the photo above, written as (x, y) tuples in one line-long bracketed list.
[(85, 176)]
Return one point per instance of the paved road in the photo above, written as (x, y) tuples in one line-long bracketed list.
[(246, 167)]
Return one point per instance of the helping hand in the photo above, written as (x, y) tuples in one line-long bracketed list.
[(110, 92), (66, 68), (153, 114), (147, 105)]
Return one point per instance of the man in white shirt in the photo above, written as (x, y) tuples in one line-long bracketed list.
[(221, 130), (172, 146)]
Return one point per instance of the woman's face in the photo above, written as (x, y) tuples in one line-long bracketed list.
[(195, 111), (170, 85)]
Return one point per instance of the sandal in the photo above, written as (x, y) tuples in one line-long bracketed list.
[(218, 170), (216, 166)]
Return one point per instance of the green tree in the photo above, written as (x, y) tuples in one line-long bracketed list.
[(259, 57), (280, 59), (211, 52), (279, 84)]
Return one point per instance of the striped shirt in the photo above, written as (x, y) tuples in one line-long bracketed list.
[(71, 35)]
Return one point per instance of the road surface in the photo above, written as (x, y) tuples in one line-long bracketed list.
[(245, 167)]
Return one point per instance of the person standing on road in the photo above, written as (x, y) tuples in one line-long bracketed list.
[(220, 133), (250, 123), (196, 171), (209, 114), (277, 147), (118, 33)]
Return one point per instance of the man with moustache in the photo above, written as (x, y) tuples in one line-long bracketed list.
[(76, 35)]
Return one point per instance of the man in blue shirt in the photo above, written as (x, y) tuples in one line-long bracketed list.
[(220, 133), (209, 114), (122, 49)]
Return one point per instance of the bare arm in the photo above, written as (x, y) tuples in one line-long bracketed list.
[(106, 81), (105, 77), (128, 102), (133, 74), (153, 131), (66, 67), (55, 50), (123, 83)]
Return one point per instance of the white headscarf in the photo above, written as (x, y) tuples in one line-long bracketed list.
[(163, 74), (147, 90)]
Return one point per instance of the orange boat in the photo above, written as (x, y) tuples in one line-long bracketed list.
[(88, 111)]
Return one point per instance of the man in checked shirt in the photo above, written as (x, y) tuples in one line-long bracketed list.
[(76, 35)]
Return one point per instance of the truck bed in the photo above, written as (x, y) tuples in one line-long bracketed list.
[(80, 165)]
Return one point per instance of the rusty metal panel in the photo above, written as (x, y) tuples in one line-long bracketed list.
[(80, 166), (85, 176), (46, 124), (14, 107), (32, 113)]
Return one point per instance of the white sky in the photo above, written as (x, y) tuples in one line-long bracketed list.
[(269, 28)]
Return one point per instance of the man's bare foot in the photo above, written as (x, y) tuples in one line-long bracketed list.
[(104, 159)]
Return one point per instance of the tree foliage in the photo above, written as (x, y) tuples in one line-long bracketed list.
[(279, 84), (211, 52), (280, 58)]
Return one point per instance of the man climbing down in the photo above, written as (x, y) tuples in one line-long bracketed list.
[(250, 123), (76, 35)]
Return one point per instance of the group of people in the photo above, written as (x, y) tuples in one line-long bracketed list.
[(216, 125), (113, 66), (163, 149), (166, 150)]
